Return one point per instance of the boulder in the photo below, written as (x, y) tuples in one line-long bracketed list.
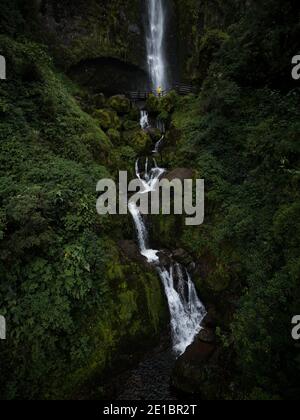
[(130, 125), (114, 135), (165, 258), (182, 257), (189, 372), (137, 139), (107, 119), (180, 173), (154, 133), (207, 335), (153, 105), (120, 104), (131, 251), (209, 321)]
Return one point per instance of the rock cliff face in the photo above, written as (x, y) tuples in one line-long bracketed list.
[(100, 44), (200, 26)]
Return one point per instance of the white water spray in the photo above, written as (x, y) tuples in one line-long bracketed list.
[(186, 310), (155, 44), (144, 120)]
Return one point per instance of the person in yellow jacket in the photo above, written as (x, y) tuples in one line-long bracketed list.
[(159, 91)]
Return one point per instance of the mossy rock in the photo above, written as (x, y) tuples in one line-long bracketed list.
[(167, 104), (130, 125), (153, 104), (107, 119), (134, 113), (120, 104), (114, 135), (137, 139)]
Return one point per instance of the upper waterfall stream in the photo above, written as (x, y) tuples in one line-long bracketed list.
[(156, 44)]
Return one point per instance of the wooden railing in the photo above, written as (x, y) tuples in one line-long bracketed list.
[(181, 89)]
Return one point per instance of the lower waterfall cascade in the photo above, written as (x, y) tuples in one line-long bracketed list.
[(186, 309)]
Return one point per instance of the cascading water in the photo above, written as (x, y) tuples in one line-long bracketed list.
[(155, 44), (144, 120), (186, 310)]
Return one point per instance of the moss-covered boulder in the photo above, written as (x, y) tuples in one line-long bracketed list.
[(130, 125), (134, 113), (114, 135), (154, 133), (120, 104), (107, 119), (153, 105), (137, 139)]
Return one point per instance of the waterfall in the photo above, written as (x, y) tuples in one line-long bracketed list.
[(155, 44), (144, 120), (186, 310)]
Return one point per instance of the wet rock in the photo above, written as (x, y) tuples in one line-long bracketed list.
[(165, 258), (190, 369), (207, 335), (180, 173), (131, 251), (182, 257), (154, 133), (209, 322)]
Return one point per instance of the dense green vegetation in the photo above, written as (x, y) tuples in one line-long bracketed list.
[(70, 297), (242, 136), (77, 308)]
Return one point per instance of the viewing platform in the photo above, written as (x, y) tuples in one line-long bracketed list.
[(180, 89)]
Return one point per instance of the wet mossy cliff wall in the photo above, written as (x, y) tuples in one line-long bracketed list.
[(101, 44), (200, 28)]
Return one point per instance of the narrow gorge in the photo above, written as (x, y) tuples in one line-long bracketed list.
[(137, 306)]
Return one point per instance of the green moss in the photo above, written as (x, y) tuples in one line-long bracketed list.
[(120, 104), (137, 139), (153, 104), (129, 125), (107, 119), (114, 135)]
